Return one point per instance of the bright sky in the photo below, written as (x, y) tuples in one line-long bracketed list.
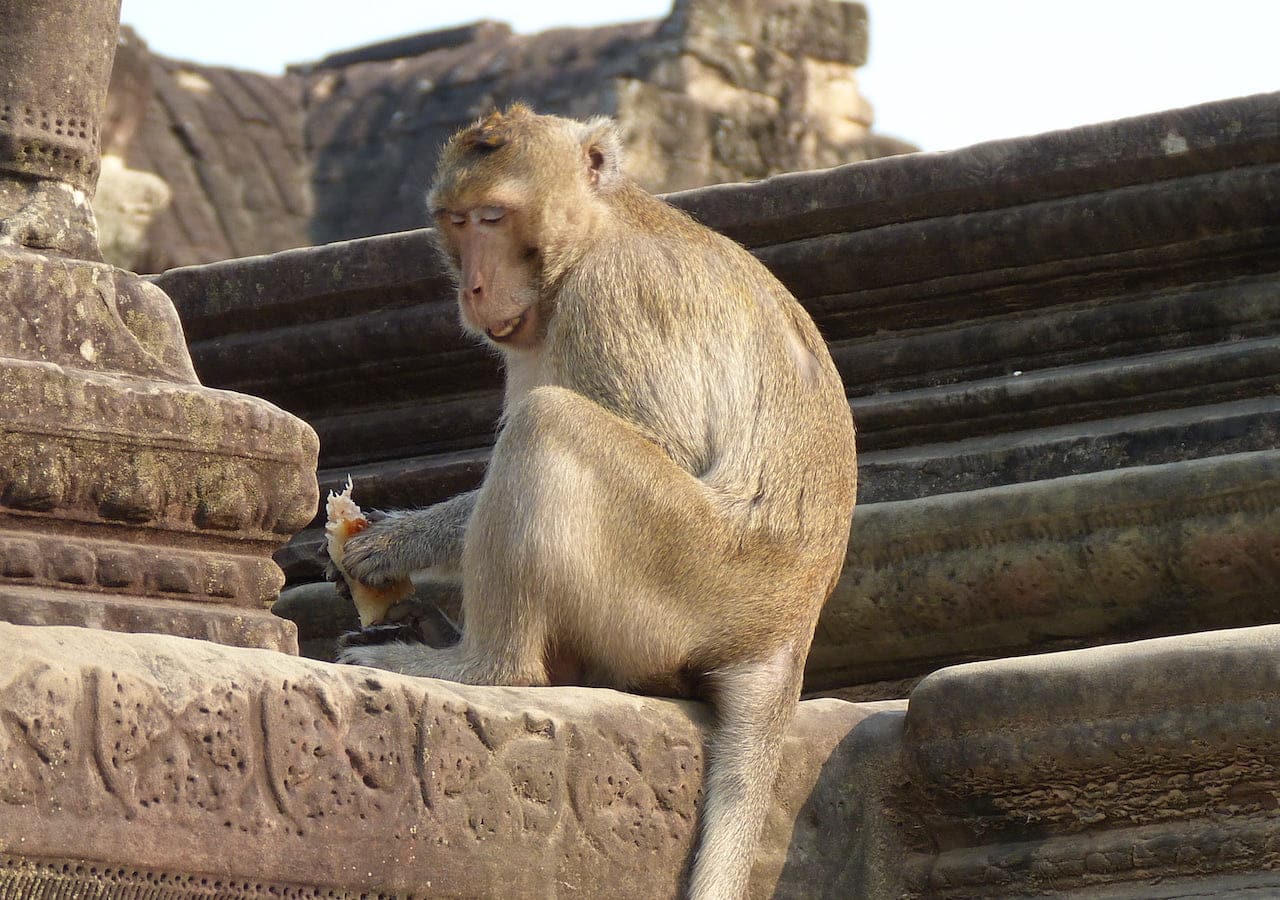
[(942, 73)]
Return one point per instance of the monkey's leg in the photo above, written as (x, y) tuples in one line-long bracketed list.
[(584, 534)]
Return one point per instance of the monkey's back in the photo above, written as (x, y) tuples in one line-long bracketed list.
[(701, 347)]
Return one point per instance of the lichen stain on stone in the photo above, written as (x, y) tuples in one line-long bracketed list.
[(32, 478), (1173, 144), (221, 496), (131, 488)]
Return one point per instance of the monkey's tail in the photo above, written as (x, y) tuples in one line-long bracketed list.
[(754, 704)]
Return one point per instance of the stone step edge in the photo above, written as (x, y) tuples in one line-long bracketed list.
[(1235, 850), (1188, 702), (954, 411), (1188, 429), (965, 452), (943, 522)]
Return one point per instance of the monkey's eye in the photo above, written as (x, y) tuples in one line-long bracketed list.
[(457, 218), (491, 214)]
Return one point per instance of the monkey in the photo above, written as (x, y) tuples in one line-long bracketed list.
[(668, 501)]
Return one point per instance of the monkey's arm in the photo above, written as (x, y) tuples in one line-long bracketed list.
[(410, 540)]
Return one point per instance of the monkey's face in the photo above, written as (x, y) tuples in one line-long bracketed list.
[(516, 199), (497, 270)]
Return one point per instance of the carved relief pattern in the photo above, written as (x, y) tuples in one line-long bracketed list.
[(178, 457), (39, 138), (296, 755), (117, 567)]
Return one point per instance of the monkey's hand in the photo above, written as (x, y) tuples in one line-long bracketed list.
[(331, 570), (375, 555)]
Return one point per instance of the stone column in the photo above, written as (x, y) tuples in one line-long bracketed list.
[(131, 497)]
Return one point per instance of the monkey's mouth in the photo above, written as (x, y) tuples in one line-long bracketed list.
[(506, 330)]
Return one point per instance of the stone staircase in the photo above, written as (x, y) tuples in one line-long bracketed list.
[(1061, 352)]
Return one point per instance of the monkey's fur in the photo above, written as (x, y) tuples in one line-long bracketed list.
[(668, 502)]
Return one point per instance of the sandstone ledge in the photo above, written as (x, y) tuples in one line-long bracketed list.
[(1153, 760), (134, 762)]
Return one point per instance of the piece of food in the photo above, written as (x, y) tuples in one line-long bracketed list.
[(344, 520)]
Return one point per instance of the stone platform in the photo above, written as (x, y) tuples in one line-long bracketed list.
[(147, 766), (1061, 352)]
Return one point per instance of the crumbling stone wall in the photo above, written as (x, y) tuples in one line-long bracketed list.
[(721, 90)]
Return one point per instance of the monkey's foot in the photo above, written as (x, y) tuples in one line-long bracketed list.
[(407, 659), (380, 634)]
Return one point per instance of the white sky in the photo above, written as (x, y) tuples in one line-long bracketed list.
[(942, 73)]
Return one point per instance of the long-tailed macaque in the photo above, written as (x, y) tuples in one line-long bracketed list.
[(668, 502)]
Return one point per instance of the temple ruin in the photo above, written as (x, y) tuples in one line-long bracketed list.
[(226, 163), (1049, 668)]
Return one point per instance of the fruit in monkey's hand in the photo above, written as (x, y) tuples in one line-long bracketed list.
[(344, 519)]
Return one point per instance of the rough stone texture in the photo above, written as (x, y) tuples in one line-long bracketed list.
[(1155, 760), (52, 135), (244, 773), (229, 146), (125, 485), (127, 200), (722, 90), (1074, 332), (1122, 554)]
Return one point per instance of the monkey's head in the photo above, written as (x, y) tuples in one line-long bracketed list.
[(516, 200)]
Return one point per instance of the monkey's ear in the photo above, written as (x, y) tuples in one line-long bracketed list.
[(602, 151)]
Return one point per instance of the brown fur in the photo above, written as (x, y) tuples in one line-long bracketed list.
[(668, 501)]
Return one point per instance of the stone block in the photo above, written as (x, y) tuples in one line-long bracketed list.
[(1116, 764), (138, 763)]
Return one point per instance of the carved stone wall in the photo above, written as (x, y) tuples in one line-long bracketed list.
[(343, 147), (1060, 351), (138, 764)]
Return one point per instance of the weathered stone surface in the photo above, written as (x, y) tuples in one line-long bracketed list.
[(1177, 143), (126, 486), (265, 773), (137, 764), (121, 477), (53, 135), (1116, 764), (127, 200), (50, 116), (226, 144), (1122, 554)]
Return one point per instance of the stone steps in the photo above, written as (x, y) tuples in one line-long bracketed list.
[(1053, 563), (1016, 323), (1012, 457)]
